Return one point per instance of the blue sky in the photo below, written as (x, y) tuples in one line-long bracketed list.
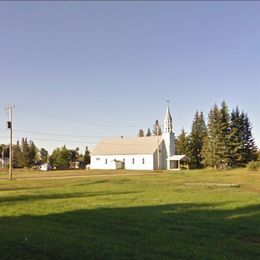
[(78, 71)]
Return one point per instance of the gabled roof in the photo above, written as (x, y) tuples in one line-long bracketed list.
[(125, 146), (179, 158)]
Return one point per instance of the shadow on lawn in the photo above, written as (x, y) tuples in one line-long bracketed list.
[(47, 186), (197, 231), (31, 198)]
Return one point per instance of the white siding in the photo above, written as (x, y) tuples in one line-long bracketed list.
[(106, 162), (169, 143)]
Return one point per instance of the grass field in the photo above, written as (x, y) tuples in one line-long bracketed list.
[(163, 216)]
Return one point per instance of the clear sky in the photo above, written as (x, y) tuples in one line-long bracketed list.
[(78, 71)]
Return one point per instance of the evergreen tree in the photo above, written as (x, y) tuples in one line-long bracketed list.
[(60, 158), (29, 153), (4, 150), (224, 140), (43, 155), (197, 136), (148, 132), (236, 138), (249, 149), (243, 148), (87, 156), (182, 143), (141, 133), (258, 155), (211, 148), (33, 154), (25, 152), (74, 156), (157, 128), (229, 140), (17, 156)]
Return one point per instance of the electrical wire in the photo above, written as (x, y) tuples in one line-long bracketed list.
[(34, 111)]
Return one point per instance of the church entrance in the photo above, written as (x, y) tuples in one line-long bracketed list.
[(178, 162)]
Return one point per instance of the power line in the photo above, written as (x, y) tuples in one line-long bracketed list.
[(46, 139), (34, 111), (65, 135), (55, 134), (80, 141)]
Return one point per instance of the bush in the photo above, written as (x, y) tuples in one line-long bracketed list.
[(253, 166)]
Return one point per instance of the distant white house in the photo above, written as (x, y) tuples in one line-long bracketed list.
[(138, 153), (4, 161), (45, 167)]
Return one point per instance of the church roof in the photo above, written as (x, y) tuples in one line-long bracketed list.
[(125, 146)]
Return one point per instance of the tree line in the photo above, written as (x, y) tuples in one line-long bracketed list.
[(225, 141), (155, 131), (26, 154)]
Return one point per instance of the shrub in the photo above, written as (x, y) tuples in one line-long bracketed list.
[(253, 166)]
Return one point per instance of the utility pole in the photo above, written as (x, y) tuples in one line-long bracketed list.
[(3, 148), (9, 110)]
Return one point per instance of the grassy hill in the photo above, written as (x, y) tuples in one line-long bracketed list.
[(163, 216)]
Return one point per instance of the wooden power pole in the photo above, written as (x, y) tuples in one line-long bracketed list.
[(9, 110)]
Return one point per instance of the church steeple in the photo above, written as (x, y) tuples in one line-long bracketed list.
[(168, 121)]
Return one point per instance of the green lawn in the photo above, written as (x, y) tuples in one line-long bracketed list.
[(130, 217)]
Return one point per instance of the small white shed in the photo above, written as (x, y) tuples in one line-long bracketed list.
[(45, 167), (178, 161)]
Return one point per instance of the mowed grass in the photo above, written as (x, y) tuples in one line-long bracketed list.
[(163, 216)]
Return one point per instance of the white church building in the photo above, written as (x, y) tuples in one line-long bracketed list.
[(139, 153)]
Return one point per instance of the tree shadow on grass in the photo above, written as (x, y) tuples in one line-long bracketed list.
[(48, 186), (33, 197), (182, 231)]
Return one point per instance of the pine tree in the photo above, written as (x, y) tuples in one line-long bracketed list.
[(4, 150), (43, 155), (196, 140), (25, 152), (258, 155), (87, 156), (141, 133), (224, 142), (73, 157), (60, 158), (33, 153), (148, 132), (236, 125), (249, 149), (157, 128), (182, 143), (211, 148), (17, 156)]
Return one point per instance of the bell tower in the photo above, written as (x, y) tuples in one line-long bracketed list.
[(168, 136), (167, 121)]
